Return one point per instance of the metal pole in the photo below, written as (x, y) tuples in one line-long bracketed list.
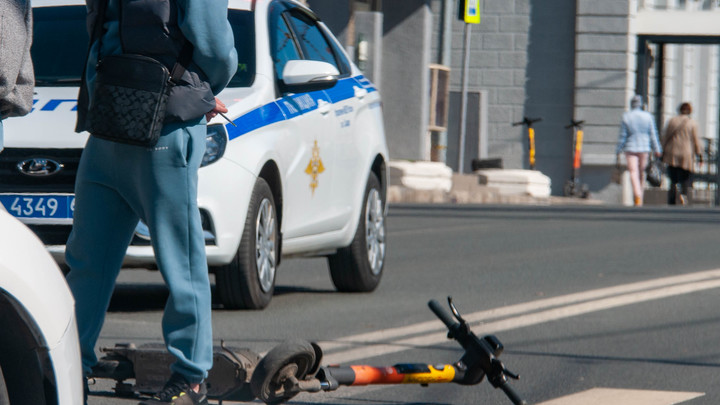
[(445, 59), (463, 102)]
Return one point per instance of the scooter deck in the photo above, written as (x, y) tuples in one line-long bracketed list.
[(149, 366)]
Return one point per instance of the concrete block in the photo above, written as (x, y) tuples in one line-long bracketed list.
[(477, 59), (603, 133), (600, 115), (497, 41), (516, 182), (609, 42), (500, 114), (604, 25), (514, 60), (522, 6), (511, 95), (498, 7), (601, 79), (520, 42), (519, 24), (503, 77), (401, 194), (603, 7), (421, 175), (600, 98), (601, 60)]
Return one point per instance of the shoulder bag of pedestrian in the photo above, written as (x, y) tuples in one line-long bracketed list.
[(654, 172), (131, 92)]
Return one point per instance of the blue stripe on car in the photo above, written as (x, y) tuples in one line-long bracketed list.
[(289, 107)]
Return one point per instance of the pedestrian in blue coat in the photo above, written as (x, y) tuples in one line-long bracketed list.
[(119, 184), (638, 137)]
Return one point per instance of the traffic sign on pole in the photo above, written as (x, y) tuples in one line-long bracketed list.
[(470, 11)]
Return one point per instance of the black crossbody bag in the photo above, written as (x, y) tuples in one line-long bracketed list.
[(130, 95)]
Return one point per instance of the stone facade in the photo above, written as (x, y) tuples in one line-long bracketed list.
[(559, 60)]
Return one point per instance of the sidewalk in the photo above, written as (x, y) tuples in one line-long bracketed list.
[(425, 182)]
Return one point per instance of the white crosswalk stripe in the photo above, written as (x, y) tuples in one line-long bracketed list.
[(609, 396)]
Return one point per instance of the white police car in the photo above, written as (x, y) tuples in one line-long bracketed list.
[(302, 172), (39, 349)]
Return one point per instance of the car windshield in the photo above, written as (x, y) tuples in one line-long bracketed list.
[(243, 26), (59, 46), (60, 43)]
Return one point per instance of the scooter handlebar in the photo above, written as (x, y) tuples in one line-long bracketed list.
[(496, 372), (512, 394), (527, 121), (441, 313)]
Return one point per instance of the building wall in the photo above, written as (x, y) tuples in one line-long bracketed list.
[(559, 60), (605, 72), (522, 54), (406, 76)]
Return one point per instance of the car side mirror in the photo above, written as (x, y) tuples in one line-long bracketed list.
[(300, 76)]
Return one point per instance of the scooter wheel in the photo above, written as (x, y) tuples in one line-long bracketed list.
[(271, 381)]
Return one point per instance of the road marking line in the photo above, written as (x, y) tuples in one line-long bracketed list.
[(530, 313), (423, 327), (609, 396)]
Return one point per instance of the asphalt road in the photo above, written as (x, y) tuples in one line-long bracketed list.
[(583, 298)]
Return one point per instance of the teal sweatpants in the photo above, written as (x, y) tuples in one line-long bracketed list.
[(117, 185)]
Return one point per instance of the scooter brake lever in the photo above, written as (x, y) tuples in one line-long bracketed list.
[(455, 311), (511, 374)]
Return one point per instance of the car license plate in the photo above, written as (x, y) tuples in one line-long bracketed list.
[(39, 205)]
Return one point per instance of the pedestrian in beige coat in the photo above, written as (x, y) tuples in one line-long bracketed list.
[(681, 143)]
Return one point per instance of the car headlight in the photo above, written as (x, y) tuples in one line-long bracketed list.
[(215, 144)]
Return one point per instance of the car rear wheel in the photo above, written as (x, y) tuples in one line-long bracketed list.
[(358, 267), (248, 282)]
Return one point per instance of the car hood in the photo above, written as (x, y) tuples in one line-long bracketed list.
[(241, 100), (51, 123)]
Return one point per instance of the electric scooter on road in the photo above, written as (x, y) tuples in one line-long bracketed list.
[(294, 367), (528, 122), (573, 187)]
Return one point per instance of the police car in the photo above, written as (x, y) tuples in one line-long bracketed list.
[(40, 355), (300, 169)]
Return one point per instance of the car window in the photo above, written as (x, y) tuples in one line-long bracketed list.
[(60, 42), (243, 26), (315, 45), (59, 47), (283, 47), (342, 60)]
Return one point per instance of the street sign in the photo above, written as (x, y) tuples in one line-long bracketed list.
[(470, 11)]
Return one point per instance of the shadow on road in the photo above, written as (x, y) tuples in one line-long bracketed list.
[(129, 297)]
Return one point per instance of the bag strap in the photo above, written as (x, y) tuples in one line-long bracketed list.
[(182, 63), (83, 96), (184, 58), (98, 26)]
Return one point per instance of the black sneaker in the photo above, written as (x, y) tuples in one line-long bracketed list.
[(177, 391)]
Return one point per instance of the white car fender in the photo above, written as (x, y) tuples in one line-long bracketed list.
[(44, 293), (228, 232)]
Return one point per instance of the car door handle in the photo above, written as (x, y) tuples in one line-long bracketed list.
[(360, 92), (323, 107)]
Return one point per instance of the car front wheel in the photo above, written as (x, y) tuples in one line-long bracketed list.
[(359, 267), (248, 282)]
